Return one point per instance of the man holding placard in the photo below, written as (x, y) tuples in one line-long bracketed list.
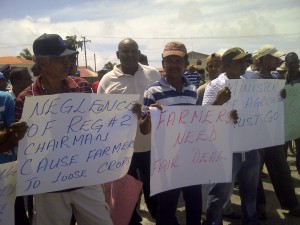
[(87, 203), (245, 165), (274, 156), (173, 89)]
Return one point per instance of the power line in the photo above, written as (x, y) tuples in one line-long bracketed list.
[(206, 37)]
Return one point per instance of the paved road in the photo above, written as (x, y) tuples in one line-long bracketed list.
[(276, 216)]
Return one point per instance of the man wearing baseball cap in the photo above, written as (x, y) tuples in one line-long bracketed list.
[(234, 62), (274, 157), (87, 203), (268, 59), (173, 89)]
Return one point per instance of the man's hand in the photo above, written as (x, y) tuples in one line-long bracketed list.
[(223, 96), (234, 116), (137, 109), (144, 122), (12, 135), (18, 130), (283, 93)]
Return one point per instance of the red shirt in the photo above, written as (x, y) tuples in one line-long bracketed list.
[(71, 84), (95, 86)]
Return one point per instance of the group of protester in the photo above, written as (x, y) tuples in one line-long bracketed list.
[(56, 64)]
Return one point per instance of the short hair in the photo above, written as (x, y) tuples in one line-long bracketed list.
[(291, 55), (17, 73)]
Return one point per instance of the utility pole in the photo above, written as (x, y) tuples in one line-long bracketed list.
[(85, 50), (95, 61)]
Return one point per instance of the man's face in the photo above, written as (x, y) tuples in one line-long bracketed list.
[(192, 69), (236, 68), (214, 69), (24, 81), (128, 54), (58, 67), (270, 62), (292, 63), (174, 66)]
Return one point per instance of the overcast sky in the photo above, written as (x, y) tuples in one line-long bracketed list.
[(203, 26)]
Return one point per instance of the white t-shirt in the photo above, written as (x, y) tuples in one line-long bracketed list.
[(116, 82)]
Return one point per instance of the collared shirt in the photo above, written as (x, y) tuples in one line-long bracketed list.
[(217, 84), (163, 93), (212, 89), (116, 82), (71, 84)]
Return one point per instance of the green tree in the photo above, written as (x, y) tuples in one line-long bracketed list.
[(26, 54), (109, 66), (72, 43)]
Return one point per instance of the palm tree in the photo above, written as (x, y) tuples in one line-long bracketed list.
[(26, 54), (72, 43), (109, 66)]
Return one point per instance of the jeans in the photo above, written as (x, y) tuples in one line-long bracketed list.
[(167, 205), (247, 174)]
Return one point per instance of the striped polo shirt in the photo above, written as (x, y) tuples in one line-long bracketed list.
[(163, 93)]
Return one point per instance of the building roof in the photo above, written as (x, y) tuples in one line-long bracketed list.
[(196, 55), (15, 61), (86, 72)]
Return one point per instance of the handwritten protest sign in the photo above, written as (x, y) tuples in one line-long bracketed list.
[(75, 140), (292, 110), (8, 176), (261, 113), (189, 146)]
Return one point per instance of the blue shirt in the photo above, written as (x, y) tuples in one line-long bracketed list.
[(163, 93), (7, 117), (194, 78)]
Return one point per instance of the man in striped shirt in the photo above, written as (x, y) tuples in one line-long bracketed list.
[(194, 77), (174, 89)]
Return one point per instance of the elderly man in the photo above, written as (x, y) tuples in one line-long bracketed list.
[(131, 77), (245, 165), (87, 203), (274, 157)]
